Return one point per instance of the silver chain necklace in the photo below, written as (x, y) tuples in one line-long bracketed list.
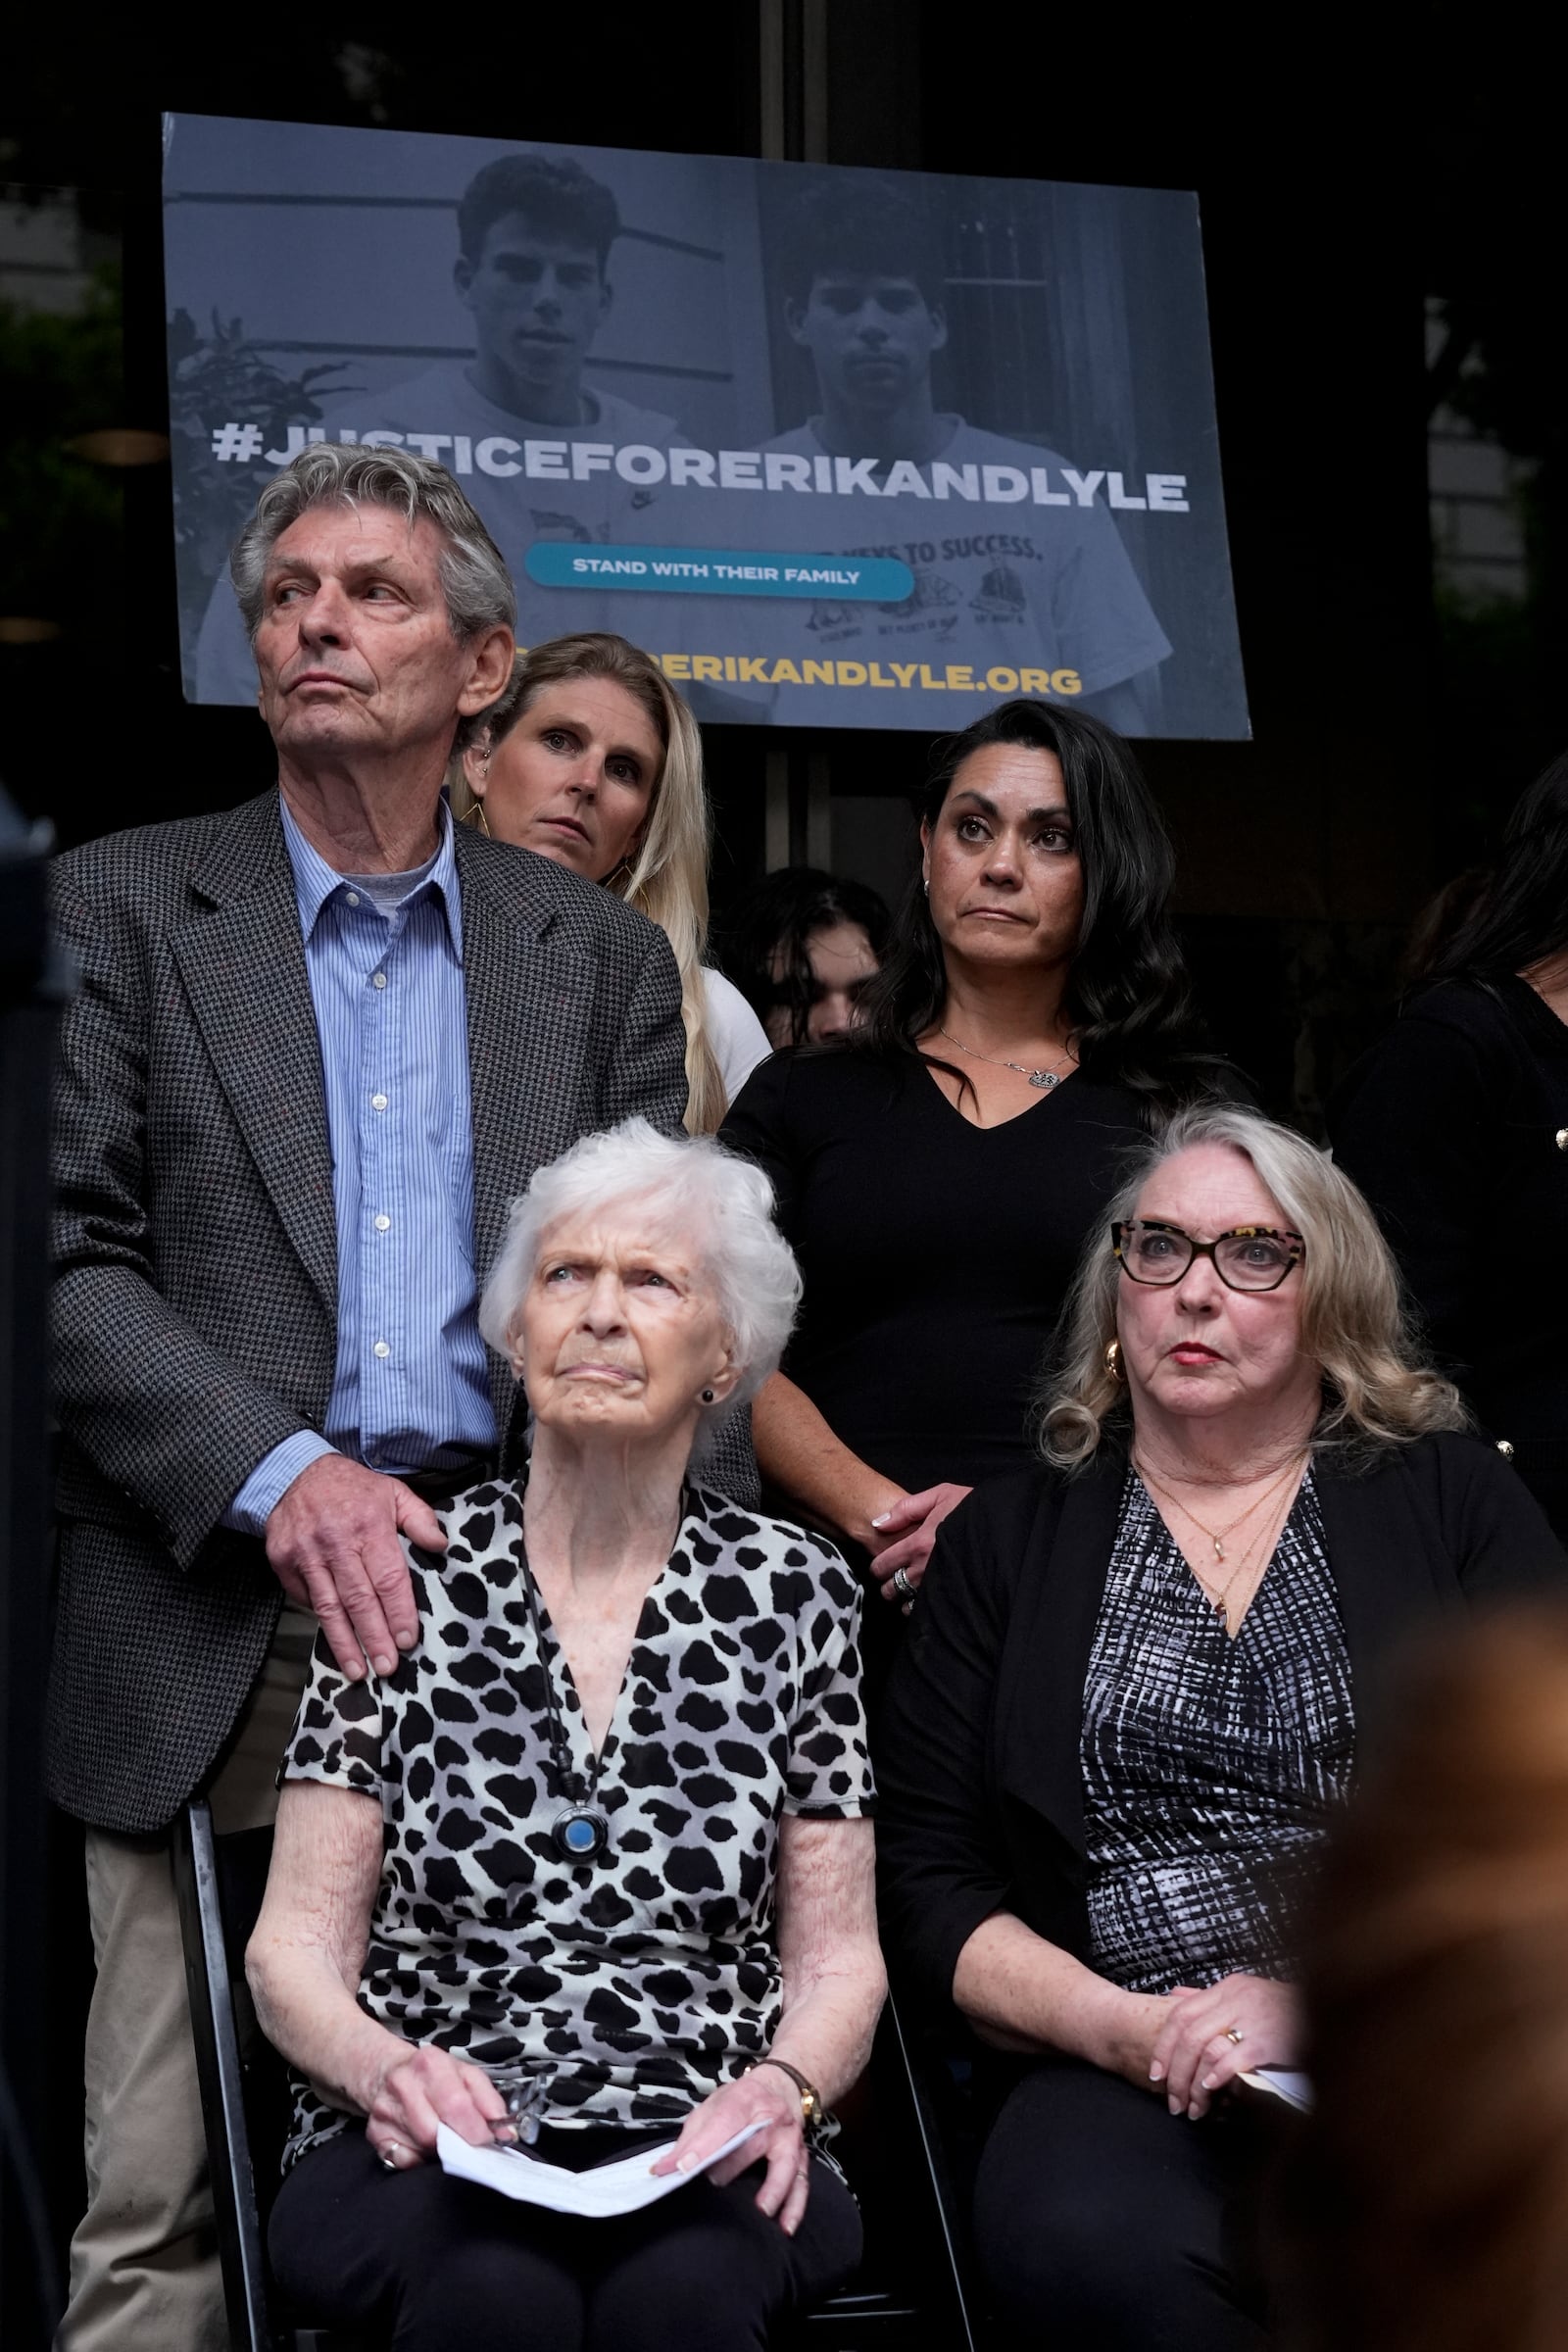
[(1044, 1079)]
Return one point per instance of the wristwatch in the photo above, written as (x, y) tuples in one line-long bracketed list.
[(810, 2096)]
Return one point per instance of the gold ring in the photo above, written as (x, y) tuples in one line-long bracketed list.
[(1234, 2033)]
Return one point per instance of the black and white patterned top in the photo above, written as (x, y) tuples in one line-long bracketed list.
[(1209, 1765), (652, 1975)]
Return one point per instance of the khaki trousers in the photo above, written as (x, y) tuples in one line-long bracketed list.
[(144, 2273)]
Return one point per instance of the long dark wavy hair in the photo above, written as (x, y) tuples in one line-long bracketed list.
[(768, 948), (1520, 917), (1128, 1001)]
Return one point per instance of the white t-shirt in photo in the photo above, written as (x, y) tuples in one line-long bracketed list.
[(515, 509), (1011, 585)]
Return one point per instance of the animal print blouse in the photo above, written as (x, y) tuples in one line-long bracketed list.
[(651, 1975)]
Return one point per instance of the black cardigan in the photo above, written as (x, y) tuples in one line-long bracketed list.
[(980, 1799)]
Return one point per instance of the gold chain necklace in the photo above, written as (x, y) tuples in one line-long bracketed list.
[(1220, 1601), (1215, 1535), (1046, 1079), (1217, 1602)]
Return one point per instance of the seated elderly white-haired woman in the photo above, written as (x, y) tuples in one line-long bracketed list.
[(603, 1832)]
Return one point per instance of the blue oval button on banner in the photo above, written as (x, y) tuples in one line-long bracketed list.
[(718, 571)]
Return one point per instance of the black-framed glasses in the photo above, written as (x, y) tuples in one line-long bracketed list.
[(1249, 1257)]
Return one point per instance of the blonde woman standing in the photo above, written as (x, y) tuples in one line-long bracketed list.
[(590, 758)]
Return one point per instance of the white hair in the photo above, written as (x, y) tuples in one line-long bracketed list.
[(475, 579), (717, 1201)]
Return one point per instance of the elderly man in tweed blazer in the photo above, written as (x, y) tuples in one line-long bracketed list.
[(319, 1041)]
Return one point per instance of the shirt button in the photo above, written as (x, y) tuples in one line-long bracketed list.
[(378, 980), (1505, 1450), (351, 897), (383, 1223), (378, 1101), (381, 1347)]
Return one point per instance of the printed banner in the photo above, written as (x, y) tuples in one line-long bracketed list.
[(838, 446)]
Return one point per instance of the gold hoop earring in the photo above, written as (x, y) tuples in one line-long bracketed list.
[(1113, 1359), (484, 821)]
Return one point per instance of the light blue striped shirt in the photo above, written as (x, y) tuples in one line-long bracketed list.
[(410, 1388)]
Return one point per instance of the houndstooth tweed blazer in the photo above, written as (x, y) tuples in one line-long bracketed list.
[(195, 1299)]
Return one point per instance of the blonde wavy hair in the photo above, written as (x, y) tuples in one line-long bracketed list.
[(1376, 1391), (667, 877)]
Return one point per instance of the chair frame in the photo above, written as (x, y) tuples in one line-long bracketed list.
[(220, 2077)]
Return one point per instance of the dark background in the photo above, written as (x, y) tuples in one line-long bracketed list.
[(1342, 189), (1339, 190), (1389, 728)]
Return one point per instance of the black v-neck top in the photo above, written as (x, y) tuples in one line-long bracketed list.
[(1456, 1126), (936, 1254)]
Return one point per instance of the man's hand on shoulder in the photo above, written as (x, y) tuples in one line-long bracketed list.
[(332, 1543)]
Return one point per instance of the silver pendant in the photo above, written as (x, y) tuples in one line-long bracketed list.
[(1044, 1079)]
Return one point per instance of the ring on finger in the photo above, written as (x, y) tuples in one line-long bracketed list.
[(901, 1585), (1234, 2033)]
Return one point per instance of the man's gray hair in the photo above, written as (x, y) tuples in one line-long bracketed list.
[(717, 1201), (474, 578)]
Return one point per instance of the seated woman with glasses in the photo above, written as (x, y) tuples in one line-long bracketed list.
[(595, 1858), (1137, 1681)]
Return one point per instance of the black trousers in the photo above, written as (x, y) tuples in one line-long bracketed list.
[(1107, 2223), (420, 2263)]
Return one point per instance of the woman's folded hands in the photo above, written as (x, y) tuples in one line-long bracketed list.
[(416, 2088), (1209, 2037)]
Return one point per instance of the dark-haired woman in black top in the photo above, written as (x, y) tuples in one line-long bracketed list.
[(1456, 1127), (937, 1177)]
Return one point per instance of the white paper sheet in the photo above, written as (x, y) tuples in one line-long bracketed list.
[(1294, 2088), (599, 2194)]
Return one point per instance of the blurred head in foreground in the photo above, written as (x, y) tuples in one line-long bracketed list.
[(1435, 2187)]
